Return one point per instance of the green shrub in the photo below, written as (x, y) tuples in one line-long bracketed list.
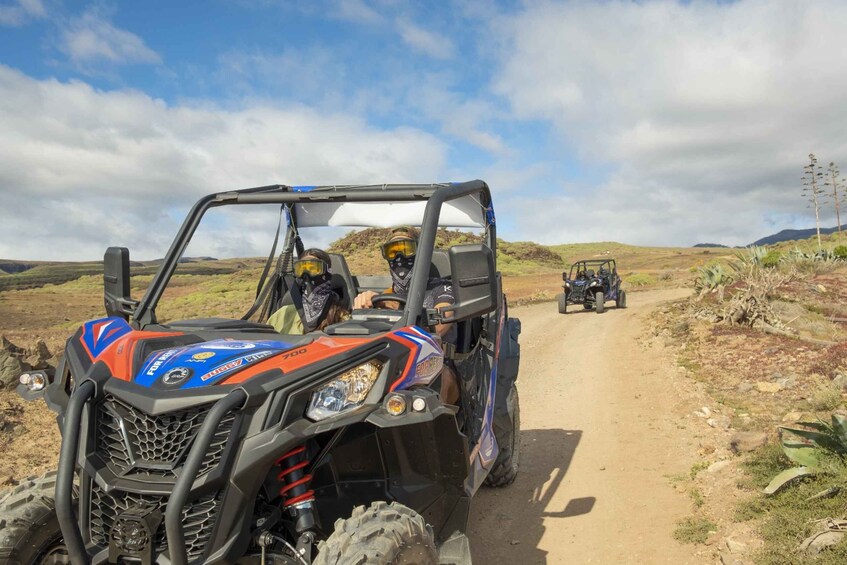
[(771, 259), (840, 252), (639, 279), (694, 530)]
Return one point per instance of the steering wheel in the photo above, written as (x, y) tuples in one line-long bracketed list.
[(388, 297)]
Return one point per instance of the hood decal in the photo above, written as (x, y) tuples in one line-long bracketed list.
[(97, 335), (203, 364)]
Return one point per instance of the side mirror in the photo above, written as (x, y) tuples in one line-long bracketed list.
[(474, 281), (564, 276), (116, 283)]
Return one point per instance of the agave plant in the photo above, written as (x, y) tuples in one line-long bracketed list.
[(807, 447), (753, 255), (711, 277)]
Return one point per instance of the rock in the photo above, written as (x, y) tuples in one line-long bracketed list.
[(39, 356), (720, 422), (705, 411), (792, 417), (820, 288), (742, 442), (10, 369), (840, 381), (768, 387), (707, 450), (745, 387), (786, 382), (718, 466), (736, 547), (818, 542)]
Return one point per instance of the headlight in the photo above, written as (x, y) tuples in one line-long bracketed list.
[(345, 392)]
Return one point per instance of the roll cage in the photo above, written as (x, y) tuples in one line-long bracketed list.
[(582, 266), (433, 195)]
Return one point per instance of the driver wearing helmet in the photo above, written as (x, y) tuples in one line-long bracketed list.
[(315, 305), (399, 251)]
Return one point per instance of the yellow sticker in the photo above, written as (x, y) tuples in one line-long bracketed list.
[(204, 355)]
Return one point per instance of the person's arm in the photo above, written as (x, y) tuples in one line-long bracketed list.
[(363, 300), (444, 327)]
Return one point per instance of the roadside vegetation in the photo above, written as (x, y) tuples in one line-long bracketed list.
[(765, 333)]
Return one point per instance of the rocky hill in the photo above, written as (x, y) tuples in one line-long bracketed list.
[(361, 249)]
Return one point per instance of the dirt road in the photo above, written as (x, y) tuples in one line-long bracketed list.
[(600, 439)]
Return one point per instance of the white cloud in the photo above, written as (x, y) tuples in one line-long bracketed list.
[(81, 169), (357, 11), (21, 12), (91, 38), (424, 41), (705, 112)]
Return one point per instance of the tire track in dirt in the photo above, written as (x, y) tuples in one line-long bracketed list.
[(601, 434)]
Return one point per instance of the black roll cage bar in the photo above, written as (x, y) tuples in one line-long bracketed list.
[(435, 196), (592, 262)]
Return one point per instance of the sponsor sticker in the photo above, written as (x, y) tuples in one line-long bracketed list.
[(229, 345), (176, 376), (159, 361), (203, 356), (236, 363), (222, 369)]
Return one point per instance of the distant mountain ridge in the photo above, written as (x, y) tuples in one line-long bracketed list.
[(790, 235)]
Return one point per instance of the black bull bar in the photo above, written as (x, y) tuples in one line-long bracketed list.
[(68, 521)]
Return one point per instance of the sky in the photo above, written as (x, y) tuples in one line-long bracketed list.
[(650, 123)]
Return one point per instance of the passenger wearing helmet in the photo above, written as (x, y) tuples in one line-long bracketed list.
[(400, 251), (314, 305)]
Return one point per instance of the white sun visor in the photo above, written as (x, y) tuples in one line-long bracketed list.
[(464, 212)]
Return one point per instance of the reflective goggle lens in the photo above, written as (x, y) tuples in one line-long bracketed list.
[(406, 247), (311, 267)]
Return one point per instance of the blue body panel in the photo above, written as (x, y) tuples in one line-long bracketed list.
[(204, 364)]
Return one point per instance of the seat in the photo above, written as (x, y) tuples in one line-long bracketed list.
[(440, 264), (342, 280)]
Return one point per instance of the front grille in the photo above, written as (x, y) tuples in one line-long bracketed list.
[(198, 518), (132, 440)]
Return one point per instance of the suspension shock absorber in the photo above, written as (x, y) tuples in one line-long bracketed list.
[(298, 499)]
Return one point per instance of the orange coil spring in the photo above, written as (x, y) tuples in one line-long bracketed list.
[(296, 489)]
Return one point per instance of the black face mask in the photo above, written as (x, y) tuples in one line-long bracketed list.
[(317, 298), (401, 274)]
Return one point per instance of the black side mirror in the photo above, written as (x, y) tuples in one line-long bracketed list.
[(474, 281), (564, 276), (116, 283)]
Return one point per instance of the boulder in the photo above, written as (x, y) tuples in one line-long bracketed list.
[(743, 442), (12, 363), (39, 356), (15, 360), (10, 369), (820, 541)]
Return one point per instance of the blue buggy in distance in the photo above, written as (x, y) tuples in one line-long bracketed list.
[(591, 283)]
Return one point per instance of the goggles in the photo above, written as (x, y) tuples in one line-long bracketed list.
[(311, 267), (406, 247)]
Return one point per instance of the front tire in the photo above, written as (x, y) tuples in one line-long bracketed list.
[(29, 527), (381, 534), (599, 301), (563, 303), (621, 299), (505, 468)]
